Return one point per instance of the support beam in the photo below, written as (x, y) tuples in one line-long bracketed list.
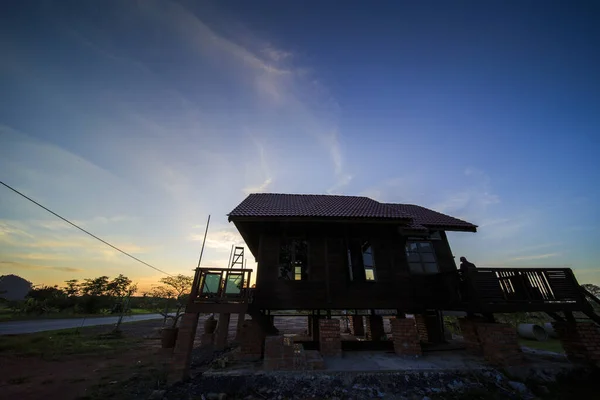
[(555, 316), (222, 331)]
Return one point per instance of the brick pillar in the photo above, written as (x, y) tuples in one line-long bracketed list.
[(422, 328), (251, 340), (182, 354), (330, 341), (279, 354), (240, 323), (406, 337), (580, 340), (375, 329), (222, 331), (357, 325), (468, 327), (500, 344)]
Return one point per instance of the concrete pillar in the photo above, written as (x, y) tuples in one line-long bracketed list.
[(222, 331), (182, 354)]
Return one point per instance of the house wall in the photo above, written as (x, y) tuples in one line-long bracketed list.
[(328, 284)]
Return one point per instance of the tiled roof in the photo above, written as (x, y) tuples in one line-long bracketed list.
[(426, 217), (419, 218), (314, 206)]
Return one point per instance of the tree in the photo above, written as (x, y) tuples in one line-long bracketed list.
[(72, 288), (593, 289), (95, 287), (173, 288)]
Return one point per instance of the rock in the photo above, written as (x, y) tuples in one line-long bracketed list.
[(544, 389), (426, 398), (518, 386), (222, 396), (157, 395), (212, 396)]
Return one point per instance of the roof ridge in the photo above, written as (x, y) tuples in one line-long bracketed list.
[(312, 194)]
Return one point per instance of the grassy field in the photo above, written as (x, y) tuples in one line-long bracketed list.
[(7, 315), (55, 344), (553, 345)]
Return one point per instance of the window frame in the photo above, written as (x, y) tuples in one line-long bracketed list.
[(422, 262), (373, 266), (292, 274)]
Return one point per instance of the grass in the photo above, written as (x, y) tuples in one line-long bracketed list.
[(55, 344), (553, 345)]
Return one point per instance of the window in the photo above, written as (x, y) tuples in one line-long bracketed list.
[(421, 258), (368, 261), (293, 259), (360, 257)]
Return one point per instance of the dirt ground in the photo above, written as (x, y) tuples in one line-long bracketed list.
[(79, 376)]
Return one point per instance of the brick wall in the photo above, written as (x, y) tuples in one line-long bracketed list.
[(500, 344), (497, 343), (581, 341), (357, 325), (375, 329), (330, 341), (468, 328), (251, 340), (422, 328), (406, 337), (182, 354), (281, 354)]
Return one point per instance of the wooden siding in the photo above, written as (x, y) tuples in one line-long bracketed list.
[(328, 285)]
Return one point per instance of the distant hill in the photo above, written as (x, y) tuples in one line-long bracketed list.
[(13, 287)]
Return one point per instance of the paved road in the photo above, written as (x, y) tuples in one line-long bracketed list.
[(40, 325)]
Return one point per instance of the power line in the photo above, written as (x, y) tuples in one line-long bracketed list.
[(83, 230)]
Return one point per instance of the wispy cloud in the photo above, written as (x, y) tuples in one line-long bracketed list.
[(535, 257), (12, 265)]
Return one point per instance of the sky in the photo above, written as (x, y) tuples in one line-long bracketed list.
[(138, 119)]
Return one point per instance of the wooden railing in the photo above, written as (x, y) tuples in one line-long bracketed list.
[(221, 284), (525, 285)]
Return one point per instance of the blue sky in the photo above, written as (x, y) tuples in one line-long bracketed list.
[(138, 119)]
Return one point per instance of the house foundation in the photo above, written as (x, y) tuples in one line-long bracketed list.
[(497, 343), (406, 337), (251, 340), (330, 341), (581, 341)]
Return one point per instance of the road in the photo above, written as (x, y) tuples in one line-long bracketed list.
[(40, 325)]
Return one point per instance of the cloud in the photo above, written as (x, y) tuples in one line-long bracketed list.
[(260, 188), (535, 257), (263, 170), (220, 239), (12, 265), (533, 248), (276, 55)]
